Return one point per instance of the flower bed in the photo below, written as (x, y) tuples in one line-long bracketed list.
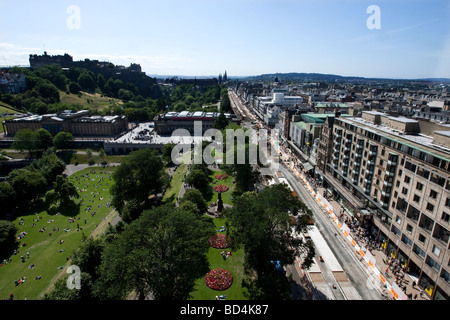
[(221, 176), (219, 241), (219, 279), (220, 188)]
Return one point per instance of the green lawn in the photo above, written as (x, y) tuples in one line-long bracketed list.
[(175, 184), (44, 249), (212, 196), (94, 101), (233, 264)]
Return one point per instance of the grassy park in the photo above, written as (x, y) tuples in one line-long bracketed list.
[(233, 264), (50, 249), (175, 185), (46, 240)]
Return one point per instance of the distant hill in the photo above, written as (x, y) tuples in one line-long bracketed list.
[(295, 76)]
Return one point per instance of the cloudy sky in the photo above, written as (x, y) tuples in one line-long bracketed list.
[(400, 39)]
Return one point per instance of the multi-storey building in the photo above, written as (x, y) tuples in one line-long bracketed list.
[(79, 123), (396, 181), (168, 122)]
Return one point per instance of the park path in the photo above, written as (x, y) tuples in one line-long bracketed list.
[(72, 168)]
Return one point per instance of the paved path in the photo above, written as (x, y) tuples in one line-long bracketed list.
[(72, 168)]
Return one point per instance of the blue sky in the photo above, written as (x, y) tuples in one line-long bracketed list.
[(244, 37)]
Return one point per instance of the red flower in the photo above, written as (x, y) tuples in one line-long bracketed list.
[(220, 241), (219, 279), (221, 176), (220, 188)]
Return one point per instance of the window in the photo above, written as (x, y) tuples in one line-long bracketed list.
[(441, 233), (447, 202), (433, 194), (432, 263), (413, 213), (419, 186), (410, 166), (423, 173), (417, 250), (426, 223), (438, 179), (405, 191), (407, 179), (422, 238), (445, 216), (396, 231), (398, 219), (401, 205), (407, 241), (409, 228), (436, 250), (445, 275), (430, 207), (416, 198)]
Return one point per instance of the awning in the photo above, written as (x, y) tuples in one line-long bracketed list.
[(307, 166)]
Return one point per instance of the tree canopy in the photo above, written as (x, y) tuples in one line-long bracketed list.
[(161, 254), (262, 223), (139, 175)]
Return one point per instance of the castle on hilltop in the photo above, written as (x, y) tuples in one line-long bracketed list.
[(66, 61)]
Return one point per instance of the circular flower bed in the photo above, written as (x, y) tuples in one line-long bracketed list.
[(219, 279), (220, 188), (221, 176), (219, 241)]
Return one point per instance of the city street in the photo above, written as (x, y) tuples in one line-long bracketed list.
[(354, 269), (360, 283)]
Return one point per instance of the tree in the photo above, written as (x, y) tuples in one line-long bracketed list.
[(245, 174), (101, 81), (225, 103), (25, 139), (195, 196), (47, 91), (49, 165), (44, 139), (74, 87), (162, 253), (139, 175), (86, 81), (131, 211), (262, 224), (221, 122), (28, 185), (7, 196), (62, 193), (167, 153), (197, 178), (62, 140), (8, 232)]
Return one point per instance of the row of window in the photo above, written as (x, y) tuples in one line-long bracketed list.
[(425, 222), (413, 152)]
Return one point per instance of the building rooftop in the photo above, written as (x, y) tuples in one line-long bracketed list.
[(420, 139), (189, 114)]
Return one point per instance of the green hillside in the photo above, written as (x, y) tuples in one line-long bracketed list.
[(89, 100)]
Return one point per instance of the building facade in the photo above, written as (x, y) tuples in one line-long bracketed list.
[(168, 122), (79, 123), (396, 182)]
